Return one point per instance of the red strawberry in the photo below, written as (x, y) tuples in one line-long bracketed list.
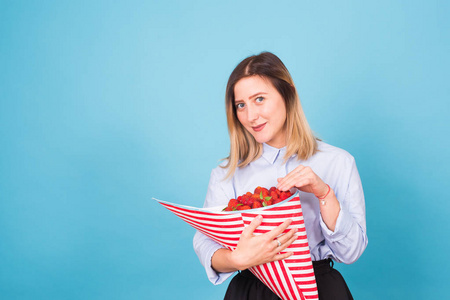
[(267, 201), (257, 204), (233, 203), (244, 207), (276, 201), (285, 195), (274, 195), (258, 190), (256, 196)]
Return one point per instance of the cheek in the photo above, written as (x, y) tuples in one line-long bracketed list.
[(240, 118), (276, 113)]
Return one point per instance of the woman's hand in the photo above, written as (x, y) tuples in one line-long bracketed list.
[(304, 179), (253, 250)]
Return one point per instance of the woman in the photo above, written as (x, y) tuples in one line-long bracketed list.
[(271, 144)]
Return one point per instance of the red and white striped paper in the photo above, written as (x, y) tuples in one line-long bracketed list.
[(292, 278)]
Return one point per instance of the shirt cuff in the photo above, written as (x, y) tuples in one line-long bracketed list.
[(213, 276), (342, 228)]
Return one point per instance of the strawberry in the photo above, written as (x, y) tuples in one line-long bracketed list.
[(285, 195), (274, 195), (244, 207), (257, 204), (258, 190), (244, 198), (232, 203), (260, 198), (276, 201), (268, 201)]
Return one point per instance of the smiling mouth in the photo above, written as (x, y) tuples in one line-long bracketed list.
[(259, 127)]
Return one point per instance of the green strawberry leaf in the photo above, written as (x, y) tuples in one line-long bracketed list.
[(261, 196), (239, 204), (268, 198), (264, 203)]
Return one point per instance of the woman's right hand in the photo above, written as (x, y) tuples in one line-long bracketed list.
[(253, 250)]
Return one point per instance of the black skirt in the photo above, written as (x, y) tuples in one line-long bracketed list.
[(330, 285)]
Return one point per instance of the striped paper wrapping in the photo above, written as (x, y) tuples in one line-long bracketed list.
[(291, 278)]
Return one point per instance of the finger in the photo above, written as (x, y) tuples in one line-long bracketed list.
[(284, 185), (281, 256), (248, 231), (288, 183), (279, 229), (296, 182), (279, 249), (286, 237), (293, 174), (289, 242), (306, 172)]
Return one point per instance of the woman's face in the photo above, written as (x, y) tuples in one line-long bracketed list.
[(261, 110)]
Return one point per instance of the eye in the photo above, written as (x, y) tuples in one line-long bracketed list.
[(240, 106), (259, 99)]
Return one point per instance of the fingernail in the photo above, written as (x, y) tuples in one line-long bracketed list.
[(259, 217)]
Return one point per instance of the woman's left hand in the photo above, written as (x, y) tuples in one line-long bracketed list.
[(304, 179)]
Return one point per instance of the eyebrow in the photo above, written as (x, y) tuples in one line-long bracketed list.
[(252, 96)]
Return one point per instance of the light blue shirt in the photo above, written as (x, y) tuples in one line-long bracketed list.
[(334, 166)]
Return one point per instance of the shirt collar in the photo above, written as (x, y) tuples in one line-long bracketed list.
[(271, 153)]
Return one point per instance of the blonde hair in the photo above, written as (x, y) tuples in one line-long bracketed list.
[(299, 138)]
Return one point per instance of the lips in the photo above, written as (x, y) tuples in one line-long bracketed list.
[(259, 127)]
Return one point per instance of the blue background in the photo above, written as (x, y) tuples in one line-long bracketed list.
[(105, 105)]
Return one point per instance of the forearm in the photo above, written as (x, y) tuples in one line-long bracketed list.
[(345, 235), (329, 209), (222, 261), (205, 248), (347, 245)]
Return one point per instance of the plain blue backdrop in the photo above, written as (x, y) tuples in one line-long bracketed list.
[(106, 104)]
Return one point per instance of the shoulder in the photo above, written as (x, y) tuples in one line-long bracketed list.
[(219, 173), (334, 165), (332, 153)]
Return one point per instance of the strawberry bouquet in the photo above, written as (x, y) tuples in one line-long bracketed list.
[(290, 278)]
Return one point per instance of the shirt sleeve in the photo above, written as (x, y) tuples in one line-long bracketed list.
[(204, 246), (349, 239)]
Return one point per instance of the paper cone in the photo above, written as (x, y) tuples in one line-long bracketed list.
[(292, 278)]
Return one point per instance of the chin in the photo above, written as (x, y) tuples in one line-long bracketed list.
[(261, 141)]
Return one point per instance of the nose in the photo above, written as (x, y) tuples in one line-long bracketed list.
[(252, 113)]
